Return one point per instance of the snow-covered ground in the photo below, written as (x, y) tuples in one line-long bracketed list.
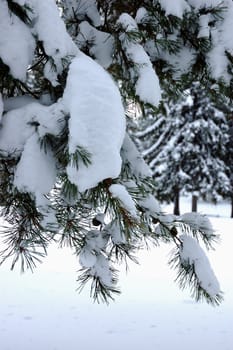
[(42, 311)]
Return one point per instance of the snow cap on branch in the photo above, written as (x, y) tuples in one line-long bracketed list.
[(175, 8), (192, 253), (116, 233), (15, 123), (198, 222), (36, 170), (1, 107), (102, 43), (17, 44), (96, 124), (102, 270), (83, 9), (141, 15), (204, 3), (147, 84), (21, 2), (51, 30), (222, 43), (119, 191), (132, 156), (204, 30), (87, 258), (22, 122), (151, 204)]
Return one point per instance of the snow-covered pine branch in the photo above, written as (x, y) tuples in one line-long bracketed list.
[(194, 270), (147, 83), (89, 96), (67, 75)]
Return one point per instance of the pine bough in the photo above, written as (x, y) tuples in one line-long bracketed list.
[(71, 174)]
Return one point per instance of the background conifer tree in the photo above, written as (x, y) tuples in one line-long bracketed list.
[(229, 161), (189, 157)]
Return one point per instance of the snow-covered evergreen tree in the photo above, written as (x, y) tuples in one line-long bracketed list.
[(189, 156), (69, 171), (229, 160)]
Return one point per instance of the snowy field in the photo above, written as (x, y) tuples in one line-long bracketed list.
[(42, 311)]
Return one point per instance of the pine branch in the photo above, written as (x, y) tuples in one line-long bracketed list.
[(23, 236), (99, 291), (187, 277), (20, 11)]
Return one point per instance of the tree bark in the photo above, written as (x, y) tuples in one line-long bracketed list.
[(194, 203), (177, 202), (232, 206)]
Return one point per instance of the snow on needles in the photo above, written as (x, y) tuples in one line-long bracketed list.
[(102, 43), (1, 107), (15, 131), (175, 8), (147, 84), (51, 30), (131, 155), (178, 7), (20, 123), (91, 256), (198, 222), (15, 38), (191, 252), (36, 170), (222, 43), (96, 124), (85, 9), (151, 204), (119, 191), (204, 3), (20, 133)]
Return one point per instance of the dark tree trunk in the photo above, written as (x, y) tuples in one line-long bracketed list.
[(194, 203), (177, 202), (232, 206)]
